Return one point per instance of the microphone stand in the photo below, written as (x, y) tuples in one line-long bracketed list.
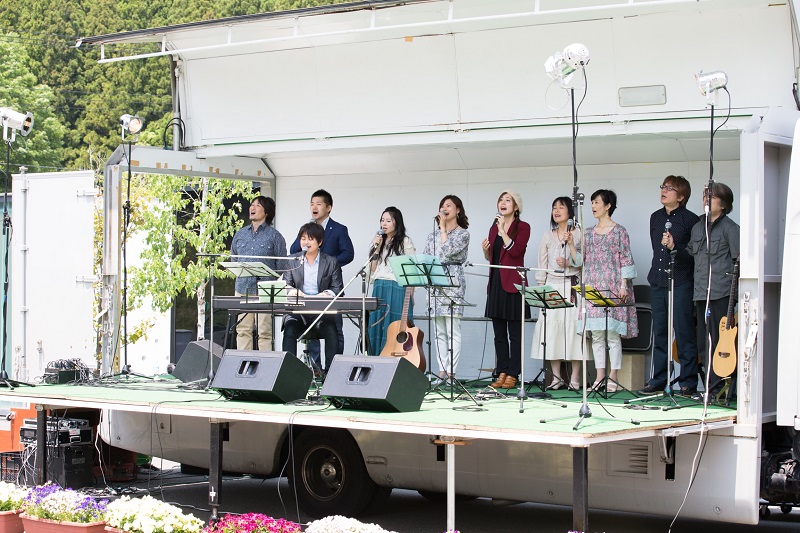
[(336, 297), (522, 394)]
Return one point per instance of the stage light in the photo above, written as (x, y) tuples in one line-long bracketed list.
[(16, 122), (711, 81), (562, 65), (131, 124)]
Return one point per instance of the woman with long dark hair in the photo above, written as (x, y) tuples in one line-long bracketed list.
[(394, 241), (505, 246), (449, 243), (559, 254)]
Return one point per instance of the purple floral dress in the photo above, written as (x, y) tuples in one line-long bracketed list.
[(607, 264)]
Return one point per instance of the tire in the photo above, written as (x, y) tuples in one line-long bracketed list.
[(329, 474)]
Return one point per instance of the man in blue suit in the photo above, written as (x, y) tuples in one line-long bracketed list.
[(318, 274), (336, 243)]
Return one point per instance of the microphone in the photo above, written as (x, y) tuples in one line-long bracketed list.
[(303, 252), (569, 228), (667, 226), (375, 246), (441, 214), (497, 217)]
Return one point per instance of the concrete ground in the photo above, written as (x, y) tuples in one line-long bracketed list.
[(408, 512)]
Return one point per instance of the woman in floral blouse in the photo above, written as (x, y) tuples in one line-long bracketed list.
[(449, 244)]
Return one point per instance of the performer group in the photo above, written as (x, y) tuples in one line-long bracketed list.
[(599, 255)]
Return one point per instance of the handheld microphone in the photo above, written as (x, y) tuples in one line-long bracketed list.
[(374, 248), (667, 226), (497, 217), (569, 225)]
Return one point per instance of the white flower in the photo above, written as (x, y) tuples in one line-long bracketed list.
[(11, 496), (342, 524), (149, 515)]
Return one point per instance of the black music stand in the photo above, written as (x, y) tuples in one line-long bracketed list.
[(606, 299), (255, 269), (454, 301), (544, 297), (420, 270)]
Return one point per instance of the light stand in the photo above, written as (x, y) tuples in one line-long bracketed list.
[(23, 123), (709, 84), (131, 124)]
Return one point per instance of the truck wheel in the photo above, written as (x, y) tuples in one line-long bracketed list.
[(786, 508), (763, 512), (329, 474)]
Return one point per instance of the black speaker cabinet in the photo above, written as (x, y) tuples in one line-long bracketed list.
[(389, 384), (273, 377), (193, 363)]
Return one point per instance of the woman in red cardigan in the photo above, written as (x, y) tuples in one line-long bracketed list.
[(506, 245)]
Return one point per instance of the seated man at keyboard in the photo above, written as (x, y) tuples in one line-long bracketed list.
[(318, 274)]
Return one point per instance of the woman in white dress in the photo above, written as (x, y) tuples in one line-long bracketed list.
[(559, 250)]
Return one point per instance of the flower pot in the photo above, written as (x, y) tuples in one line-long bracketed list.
[(41, 525), (10, 522)]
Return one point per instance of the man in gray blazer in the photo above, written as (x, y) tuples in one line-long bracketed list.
[(318, 274)]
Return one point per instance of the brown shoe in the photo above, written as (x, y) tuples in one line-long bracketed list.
[(510, 382), (500, 380)]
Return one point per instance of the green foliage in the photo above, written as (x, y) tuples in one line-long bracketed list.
[(19, 90), (202, 225)]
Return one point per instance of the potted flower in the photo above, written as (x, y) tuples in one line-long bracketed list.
[(11, 498), (342, 524), (149, 515), (50, 509), (252, 523)]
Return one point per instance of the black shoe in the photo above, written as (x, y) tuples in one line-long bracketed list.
[(651, 389), (688, 392)]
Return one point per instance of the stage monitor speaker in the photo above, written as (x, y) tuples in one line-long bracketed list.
[(273, 377), (193, 363), (389, 384)]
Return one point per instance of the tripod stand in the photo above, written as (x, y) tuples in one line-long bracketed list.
[(545, 297), (670, 336), (606, 299)]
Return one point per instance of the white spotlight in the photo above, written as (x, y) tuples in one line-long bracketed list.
[(561, 65), (711, 81), (131, 124), (16, 122)]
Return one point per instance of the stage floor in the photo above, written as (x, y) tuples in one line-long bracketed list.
[(497, 418)]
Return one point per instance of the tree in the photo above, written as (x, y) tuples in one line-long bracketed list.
[(183, 217), (19, 90)]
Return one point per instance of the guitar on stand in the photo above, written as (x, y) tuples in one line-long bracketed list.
[(404, 340), (724, 361)]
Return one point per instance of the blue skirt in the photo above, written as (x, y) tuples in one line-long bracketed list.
[(390, 308)]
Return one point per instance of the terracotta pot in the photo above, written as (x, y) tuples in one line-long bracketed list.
[(10, 522), (41, 525)]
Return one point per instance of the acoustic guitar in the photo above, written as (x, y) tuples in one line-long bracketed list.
[(404, 340), (724, 362)]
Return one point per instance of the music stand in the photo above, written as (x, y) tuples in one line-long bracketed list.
[(454, 301), (256, 269), (545, 297), (606, 299), (420, 270)]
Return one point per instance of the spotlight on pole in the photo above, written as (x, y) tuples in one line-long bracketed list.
[(131, 124), (562, 65), (15, 122), (710, 82)]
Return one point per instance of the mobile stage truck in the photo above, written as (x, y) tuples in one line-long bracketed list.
[(402, 102)]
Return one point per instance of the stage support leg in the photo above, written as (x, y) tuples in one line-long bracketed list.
[(450, 458), (215, 467), (580, 489), (40, 465)]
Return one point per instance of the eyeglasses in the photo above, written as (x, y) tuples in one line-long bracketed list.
[(669, 188)]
